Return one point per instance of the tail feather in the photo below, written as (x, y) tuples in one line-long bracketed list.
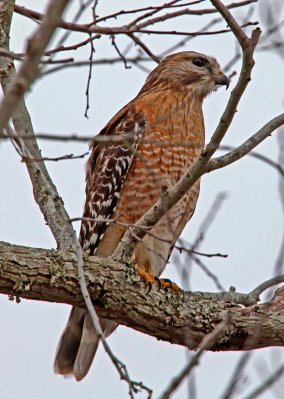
[(69, 343), (87, 349), (78, 344)]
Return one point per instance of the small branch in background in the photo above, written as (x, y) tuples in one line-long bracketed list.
[(73, 137), (210, 255), (205, 225), (257, 155), (236, 376), (245, 299), (272, 18), (268, 382), (75, 46), (247, 146), (124, 60), (184, 247), (20, 57), (61, 158), (208, 341), (209, 218), (184, 41), (81, 9), (167, 16), (103, 61), (188, 248), (9, 54), (279, 264), (264, 286), (184, 33), (91, 28), (89, 79), (233, 61), (208, 273), (240, 369), (144, 47), (94, 11), (153, 11), (144, 9)]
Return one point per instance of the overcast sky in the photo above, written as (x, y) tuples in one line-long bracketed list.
[(248, 227)]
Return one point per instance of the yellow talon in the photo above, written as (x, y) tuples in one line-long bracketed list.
[(150, 278)]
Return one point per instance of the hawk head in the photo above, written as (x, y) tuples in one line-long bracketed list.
[(188, 71)]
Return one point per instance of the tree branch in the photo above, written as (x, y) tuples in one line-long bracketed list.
[(30, 68), (120, 295), (124, 29), (14, 86), (267, 383), (208, 341), (247, 146)]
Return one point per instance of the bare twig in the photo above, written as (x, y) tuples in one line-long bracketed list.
[(75, 46), (208, 341), (247, 146), (236, 376), (66, 157), (279, 264), (90, 28), (247, 299), (267, 383), (92, 51), (82, 7), (124, 60), (185, 40), (235, 153), (206, 223), (144, 47), (257, 155), (211, 275)]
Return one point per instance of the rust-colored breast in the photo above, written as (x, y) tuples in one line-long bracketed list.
[(172, 140)]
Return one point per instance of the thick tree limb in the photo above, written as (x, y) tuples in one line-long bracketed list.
[(119, 294)]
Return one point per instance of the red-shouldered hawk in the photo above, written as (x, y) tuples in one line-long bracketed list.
[(124, 179)]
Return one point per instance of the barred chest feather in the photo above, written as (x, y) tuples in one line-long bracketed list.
[(173, 139)]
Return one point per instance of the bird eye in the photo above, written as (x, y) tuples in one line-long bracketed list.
[(199, 62)]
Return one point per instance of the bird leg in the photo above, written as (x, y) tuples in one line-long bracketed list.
[(151, 279)]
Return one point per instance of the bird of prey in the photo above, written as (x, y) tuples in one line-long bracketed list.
[(163, 128)]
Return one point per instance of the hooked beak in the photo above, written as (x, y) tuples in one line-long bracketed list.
[(223, 80)]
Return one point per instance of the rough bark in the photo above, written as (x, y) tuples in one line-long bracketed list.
[(119, 294)]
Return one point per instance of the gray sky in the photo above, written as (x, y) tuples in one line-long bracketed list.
[(248, 227)]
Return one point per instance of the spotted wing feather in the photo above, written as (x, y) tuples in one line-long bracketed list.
[(106, 172)]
